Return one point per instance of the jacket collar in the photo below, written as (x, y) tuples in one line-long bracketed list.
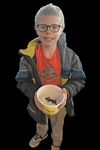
[(30, 50)]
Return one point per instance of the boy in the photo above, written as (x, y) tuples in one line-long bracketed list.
[(56, 64)]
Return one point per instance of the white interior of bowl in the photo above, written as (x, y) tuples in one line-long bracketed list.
[(52, 91)]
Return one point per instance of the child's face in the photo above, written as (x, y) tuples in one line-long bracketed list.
[(48, 37)]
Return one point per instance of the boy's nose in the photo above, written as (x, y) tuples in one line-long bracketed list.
[(48, 30)]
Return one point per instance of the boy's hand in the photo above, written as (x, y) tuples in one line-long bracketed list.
[(65, 92)]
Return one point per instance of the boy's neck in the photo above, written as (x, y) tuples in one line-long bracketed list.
[(49, 51)]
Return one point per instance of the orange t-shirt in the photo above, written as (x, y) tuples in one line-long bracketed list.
[(49, 69)]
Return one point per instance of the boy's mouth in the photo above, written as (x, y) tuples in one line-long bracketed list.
[(48, 38)]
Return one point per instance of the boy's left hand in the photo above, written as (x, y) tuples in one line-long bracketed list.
[(65, 92)]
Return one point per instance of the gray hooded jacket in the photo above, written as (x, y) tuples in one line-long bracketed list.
[(72, 76)]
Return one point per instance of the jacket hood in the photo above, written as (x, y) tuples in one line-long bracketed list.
[(30, 50), (62, 43)]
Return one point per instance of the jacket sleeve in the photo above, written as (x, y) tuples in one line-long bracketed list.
[(77, 76), (24, 79)]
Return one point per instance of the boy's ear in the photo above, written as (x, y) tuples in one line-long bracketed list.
[(61, 31)]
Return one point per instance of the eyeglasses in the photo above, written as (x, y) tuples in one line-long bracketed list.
[(53, 28)]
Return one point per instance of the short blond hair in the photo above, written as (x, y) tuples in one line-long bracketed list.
[(50, 10)]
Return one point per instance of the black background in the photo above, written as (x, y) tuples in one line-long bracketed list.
[(18, 23)]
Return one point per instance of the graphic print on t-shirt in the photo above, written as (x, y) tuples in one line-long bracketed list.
[(49, 76)]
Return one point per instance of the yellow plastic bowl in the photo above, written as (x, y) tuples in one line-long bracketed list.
[(50, 98)]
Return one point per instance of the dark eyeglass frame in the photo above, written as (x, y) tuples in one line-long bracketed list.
[(50, 27)]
